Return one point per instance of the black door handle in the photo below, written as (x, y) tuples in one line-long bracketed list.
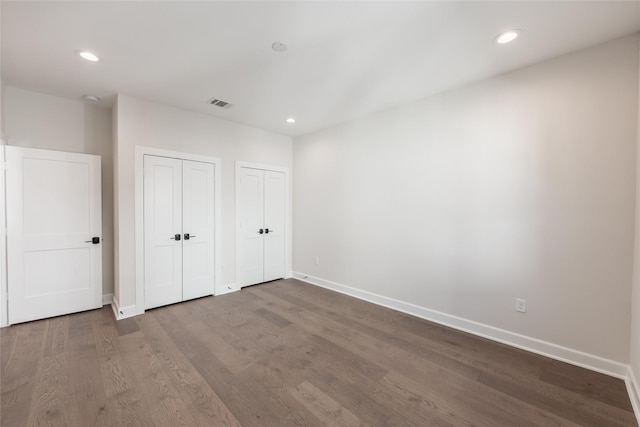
[(94, 240), (188, 236), (261, 231), (176, 237), (266, 230)]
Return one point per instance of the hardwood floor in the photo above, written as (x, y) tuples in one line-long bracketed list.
[(282, 354)]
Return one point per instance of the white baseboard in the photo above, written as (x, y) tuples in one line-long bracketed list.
[(634, 391), (534, 345), (122, 312), (226, 289), (107, 299)]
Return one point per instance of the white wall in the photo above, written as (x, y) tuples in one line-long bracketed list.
[(635, 298), (153, 125), (3, 234), (517, 186), (42, 121)]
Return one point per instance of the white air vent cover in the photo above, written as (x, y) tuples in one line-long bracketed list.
[(220, 103)]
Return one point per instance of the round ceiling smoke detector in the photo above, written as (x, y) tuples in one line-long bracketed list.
[(279, 47), (90, 98)]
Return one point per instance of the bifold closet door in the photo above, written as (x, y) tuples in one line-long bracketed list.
[(162, 231), (260, 229), (54, 233), (178, 230)]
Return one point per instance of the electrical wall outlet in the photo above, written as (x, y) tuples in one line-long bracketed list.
[(521, 305), (317, 260)]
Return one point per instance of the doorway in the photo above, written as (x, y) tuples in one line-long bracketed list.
[(262, 225), (121, 308), (54, 233)]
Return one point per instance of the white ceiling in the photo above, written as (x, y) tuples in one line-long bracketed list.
[(345, 59)]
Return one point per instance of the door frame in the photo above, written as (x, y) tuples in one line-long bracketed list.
[(287, 211), (4, 300), (141, 151)]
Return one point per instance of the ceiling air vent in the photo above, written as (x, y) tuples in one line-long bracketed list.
[(220, 103)]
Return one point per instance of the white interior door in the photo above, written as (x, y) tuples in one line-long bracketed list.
[(274, 224), (53, 215), (261, 203), (198, 228), (250, 227), (162, 231)]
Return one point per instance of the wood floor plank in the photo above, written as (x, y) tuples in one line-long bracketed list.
[(168, 406), (26, 350), (272, 402), (56, 336), (88, 399), (8, 338), (186, 378), (81, 323), (106, 339), (286, 353), (129, 409), (324, 407), (225, 345), (272, 317), (156, 388), (15, 404), (51, 393), (117, 375), (593, 384), (549, 399), (301, 358), (126, 326)]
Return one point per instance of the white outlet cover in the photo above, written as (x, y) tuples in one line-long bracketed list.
[(521, 305)]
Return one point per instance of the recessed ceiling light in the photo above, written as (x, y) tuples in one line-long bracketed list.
[(507, 36), (279, 47), (85, 54), (290, 120)]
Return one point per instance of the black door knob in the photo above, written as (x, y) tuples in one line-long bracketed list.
[(176, 237), (260, 231), (94, 240), (266, 230), (186, 236)]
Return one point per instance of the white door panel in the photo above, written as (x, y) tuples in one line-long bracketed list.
[(54, 272), (178, 200), (250, 217), (261, 226), (162, 224), (198, 222), (62, 195), (53, 212), (274, 223)]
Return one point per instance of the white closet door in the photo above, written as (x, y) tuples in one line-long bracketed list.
[(198, 228), (274, 223), (250, 227), (162, 231), (53, 213)]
